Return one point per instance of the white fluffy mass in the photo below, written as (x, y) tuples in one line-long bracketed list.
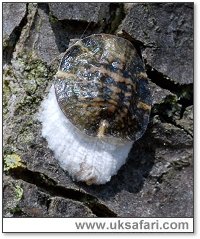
[(86, 158)]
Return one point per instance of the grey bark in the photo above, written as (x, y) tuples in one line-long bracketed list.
[(157, 180)]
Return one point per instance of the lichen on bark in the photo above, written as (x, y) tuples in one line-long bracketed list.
[(157, 180)]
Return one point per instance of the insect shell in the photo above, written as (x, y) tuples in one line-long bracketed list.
[(97, 108)]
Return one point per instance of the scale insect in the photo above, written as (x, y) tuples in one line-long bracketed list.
[(98, 106)]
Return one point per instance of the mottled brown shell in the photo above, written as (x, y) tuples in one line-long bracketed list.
[(102, 88)]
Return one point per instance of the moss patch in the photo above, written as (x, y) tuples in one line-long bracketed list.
[(12, 161), (19, 192), (25, 83)]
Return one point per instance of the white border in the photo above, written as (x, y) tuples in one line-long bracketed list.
[(107, 225), (27, 222)]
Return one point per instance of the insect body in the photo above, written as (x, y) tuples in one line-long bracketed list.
[(102, 79), (102, 90)]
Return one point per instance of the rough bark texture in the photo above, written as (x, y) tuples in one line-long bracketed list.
[(157, 180), (166, 31)]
